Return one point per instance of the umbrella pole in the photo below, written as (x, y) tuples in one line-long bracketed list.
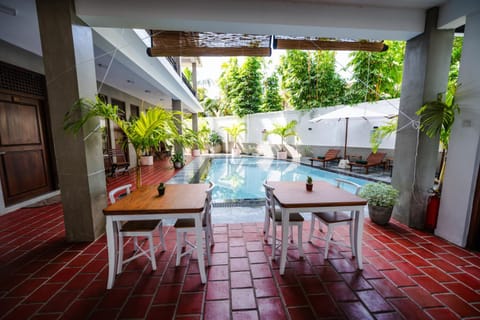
[(346, 137)]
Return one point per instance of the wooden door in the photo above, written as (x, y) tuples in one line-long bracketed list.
[(24, 163)]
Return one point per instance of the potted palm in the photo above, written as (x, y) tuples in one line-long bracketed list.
[(381, 199), (146, 132), (215, 142), (235, 131), (309, 184), (283, 131), (178, 160)]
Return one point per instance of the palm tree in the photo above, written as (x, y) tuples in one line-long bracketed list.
[(235, 131), (284, 131)]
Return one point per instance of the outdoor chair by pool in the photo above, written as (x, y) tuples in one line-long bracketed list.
[(136, 229), (182, 226), (333, 219), (330, 155), (373, 160), (273, 215)]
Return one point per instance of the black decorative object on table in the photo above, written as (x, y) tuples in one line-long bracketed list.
[(161, 189)]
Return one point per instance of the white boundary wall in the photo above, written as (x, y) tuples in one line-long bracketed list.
[(326, 133)]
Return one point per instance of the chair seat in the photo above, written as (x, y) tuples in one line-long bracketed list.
[(332, 217), (140, 226), (187, 223), (293, 217)]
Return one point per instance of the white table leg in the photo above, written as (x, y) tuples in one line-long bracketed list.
[(201, 262), (111, 251), (359, 236), (283, 255)]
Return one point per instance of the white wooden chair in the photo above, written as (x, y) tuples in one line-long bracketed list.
[(183, 226), (273, 215), (136, 229), (334, 219)]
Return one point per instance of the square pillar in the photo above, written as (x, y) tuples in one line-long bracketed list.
[(69, 62), (425, 74)]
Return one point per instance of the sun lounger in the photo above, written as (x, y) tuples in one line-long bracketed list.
[(330, 155), (373, 160)]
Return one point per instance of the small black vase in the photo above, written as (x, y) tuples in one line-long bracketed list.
[(161, 191)]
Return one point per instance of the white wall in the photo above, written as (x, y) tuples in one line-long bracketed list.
[(464, 146), (324, 133)]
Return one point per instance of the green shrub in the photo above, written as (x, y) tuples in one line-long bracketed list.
[(379, 194)]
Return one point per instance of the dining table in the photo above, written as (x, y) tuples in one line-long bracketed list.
[(178, 201), (292, 197)]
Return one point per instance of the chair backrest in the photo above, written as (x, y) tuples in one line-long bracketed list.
[(269, 199), (119, 192), (332, 154), (117, 156), (342, 183), (376, 157), (208, 204)]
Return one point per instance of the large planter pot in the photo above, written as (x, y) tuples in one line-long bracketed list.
[(380, 215), (282, 155), (196, 152), (146, 160), (178, 165), (235, 152), (216, 148)]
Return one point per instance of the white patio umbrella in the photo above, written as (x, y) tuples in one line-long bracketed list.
[(349, 113)]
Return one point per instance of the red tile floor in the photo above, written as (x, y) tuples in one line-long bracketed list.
[(408, 274)]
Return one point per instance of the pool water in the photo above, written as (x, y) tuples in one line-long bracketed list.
[(239, 179)]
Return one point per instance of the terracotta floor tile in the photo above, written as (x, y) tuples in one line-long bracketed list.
[(468, 280), (219, 259), (257, 257), (441, 314), (260, 270), (265, 288), (218, 290), (380, 263), (355, 310), (421, 297), (409, 309), (217, 310), (344, 265), (239, 264), (168, 293), (43, 293), (190, 303), (408, 268), (323, 306), (241, 279), (243, 299), (301, 313), (293, 296), (340, 291), (463, 291), (23, 311), (312, 285), (193, 283), (399, 278), (59, 302), (245, 315), (136, 307), (453, 259), (147, 285), (429, 284), (271, 308), (161, 312), (238, 252), (218, 273), (458, 306), (114, 298), (80, 309), (386, 288), (374, 301), (444, 265), (473, 270), (437, 274), (416, 260)]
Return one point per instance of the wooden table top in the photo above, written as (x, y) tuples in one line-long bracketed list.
[(291, 194), (178, 198)]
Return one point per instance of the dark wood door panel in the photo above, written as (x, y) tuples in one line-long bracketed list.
[(25, 173), (19, 125)]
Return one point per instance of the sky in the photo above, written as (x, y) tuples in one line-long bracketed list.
[(210, 69)]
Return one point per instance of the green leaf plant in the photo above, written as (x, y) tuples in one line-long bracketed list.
[(144, 133)]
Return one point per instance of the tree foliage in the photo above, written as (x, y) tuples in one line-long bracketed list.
[(310, 80), (228, 83), (376, 75), (248, 88), (272, 101)]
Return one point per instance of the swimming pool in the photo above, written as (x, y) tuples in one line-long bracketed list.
[(240, 179)]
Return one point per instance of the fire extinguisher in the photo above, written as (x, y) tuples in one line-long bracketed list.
[(433, 204)]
